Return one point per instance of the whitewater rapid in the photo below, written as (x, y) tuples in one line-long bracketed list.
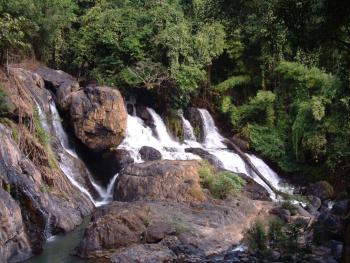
[(138, 134)]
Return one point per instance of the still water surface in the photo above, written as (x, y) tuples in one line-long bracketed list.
[(59, 249)]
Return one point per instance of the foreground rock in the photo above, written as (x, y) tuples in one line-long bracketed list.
[(166, 217), (182, 231), (160, 180)]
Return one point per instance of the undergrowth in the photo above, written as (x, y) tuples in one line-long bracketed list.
[(220, 184)]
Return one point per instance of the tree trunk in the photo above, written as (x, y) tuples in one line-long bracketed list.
[(245, 158)]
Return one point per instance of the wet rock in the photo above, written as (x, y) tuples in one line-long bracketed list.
[(242, 144), (315, 202), (194, 117), (321, 189), (61, 83), (150, 154), (253, 190), (99, 117), (143, 113), (174, 180), (144, 253), (340, 207), (47, 206), (15, 244), (213, 160)]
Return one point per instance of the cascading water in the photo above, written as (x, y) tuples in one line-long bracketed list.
[(232, 161), (188, 130), (138, 135), (66, 164)]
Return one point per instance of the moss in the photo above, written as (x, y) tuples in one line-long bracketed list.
[(44, 139), (221, 185), (174, 125)]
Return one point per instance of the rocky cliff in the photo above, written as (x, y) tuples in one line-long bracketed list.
[(37, 198)]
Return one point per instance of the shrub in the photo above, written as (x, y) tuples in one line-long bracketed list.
[(221, 185), (257, 237)]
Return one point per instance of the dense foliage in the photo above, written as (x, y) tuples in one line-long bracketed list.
[(278, 70)]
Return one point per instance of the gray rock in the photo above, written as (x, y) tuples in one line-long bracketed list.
[(150, 154)]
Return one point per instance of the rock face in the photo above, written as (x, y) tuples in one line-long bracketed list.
[(165, 216), (150, 154), (14, 242), (174, 180), (143, 113), (128, 231), (99, 117), (61, 83), (36, 199)]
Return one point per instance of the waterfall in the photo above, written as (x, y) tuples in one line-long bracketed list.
[(138, 134), (188, 130), (161, 130), (232, 161), (61, 134), (212, 137), (67, 157)]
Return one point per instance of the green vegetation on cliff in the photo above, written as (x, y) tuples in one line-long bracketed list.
[(278, 70)]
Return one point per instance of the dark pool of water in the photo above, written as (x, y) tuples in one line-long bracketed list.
[(59, 249)]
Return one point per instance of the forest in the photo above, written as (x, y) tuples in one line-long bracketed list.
[(277, 71)]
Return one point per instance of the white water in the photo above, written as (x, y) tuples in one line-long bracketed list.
[(232, 161), (212, 137), (188, 130), (66, 165), (138, 135)]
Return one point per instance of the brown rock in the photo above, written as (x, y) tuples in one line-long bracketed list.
[(144, 254), (195, 230), (99, 117), (15, 245), (174, 180), (61, 83)]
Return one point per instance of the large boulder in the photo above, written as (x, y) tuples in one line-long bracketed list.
[(161, 180), (61, 83), (150, 154), (99, 117), (128, 231)]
